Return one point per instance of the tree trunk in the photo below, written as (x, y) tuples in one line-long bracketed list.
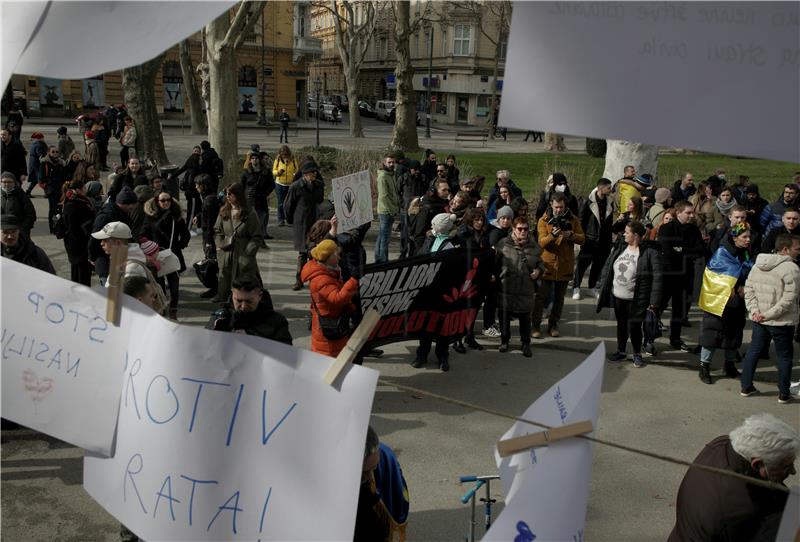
[(138, 84), (625, 153), (554, 142), (351, 80), (404, 134), (491, 114), (191, 91)]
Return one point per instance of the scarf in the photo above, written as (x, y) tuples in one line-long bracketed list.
[(438, 241), (725, 208)]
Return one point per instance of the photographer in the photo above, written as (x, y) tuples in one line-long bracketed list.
[(252, 314), (559, 232)]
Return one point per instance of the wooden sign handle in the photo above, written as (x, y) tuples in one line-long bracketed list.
[(116, 272), (526, 442), (353, 346)]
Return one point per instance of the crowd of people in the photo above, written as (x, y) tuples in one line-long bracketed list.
[(641, 248)]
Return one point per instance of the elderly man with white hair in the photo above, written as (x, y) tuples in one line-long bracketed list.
[(715, 507)]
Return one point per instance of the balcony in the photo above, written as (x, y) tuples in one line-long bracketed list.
[(302, 45)]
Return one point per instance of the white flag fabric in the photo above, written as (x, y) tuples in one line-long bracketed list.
[(547, 488), (712, 76), (62, 362), (77, 40)]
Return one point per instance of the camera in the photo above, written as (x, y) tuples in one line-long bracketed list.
[(560, 223), (221, 320)]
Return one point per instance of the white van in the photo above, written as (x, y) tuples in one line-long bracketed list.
[(383, 109)]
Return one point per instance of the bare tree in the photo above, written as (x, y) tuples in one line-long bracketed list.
[(138, 85), (223, 37), (554, 142), (354, 23), (190, 90), (625, 153)]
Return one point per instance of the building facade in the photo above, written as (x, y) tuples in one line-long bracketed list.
[(273, 74)]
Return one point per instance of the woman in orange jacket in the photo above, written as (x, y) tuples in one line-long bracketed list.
[(330, 296)]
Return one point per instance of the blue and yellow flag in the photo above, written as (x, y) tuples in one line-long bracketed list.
[(719, 278)]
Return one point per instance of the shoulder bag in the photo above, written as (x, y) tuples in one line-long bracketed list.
[(332, 328), (167, 260)]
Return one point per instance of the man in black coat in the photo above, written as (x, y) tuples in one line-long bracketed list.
[(790, 223), (683, 188), (284, 120), (210, 162), (431, 205), (258, 184), (18, 247), (13, 156), (300, 208), (16, 202), (413, 184), (113, 211), (755, 206), (681, 244), (597, 218), (253, 314)]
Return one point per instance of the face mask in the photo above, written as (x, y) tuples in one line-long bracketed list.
[(561, 188), (5, 190), (721, 177)]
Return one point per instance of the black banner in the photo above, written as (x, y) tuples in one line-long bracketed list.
[(436, 294)]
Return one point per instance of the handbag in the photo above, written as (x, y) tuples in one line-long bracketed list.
[(332, 328), (652, 325), (167, 260), (207, 270)]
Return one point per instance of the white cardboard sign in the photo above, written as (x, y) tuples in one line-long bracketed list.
[(61, 362), (712, 76), (547, 488), (230, 437), (352, 200)]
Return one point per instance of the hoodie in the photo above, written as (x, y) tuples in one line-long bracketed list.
[(773, 289)]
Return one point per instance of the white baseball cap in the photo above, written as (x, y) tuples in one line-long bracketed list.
[(114, 230)]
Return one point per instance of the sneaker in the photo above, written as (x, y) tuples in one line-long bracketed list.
[(748, 392), (444, 365), (554, 331), (617, 356), (492, 332), (576, 294), (784, 398), (503, 348), (649, 349), (596, 293), (638, 362), (536, 333), (680, 345), (474, 345), (419, 363), (526, 351)]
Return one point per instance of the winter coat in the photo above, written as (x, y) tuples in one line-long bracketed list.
[(26, 252), (467, 238), (412, 186), (92, 154), (331, 296), (128, 138), (513, 267), (244, 234), (772, 215), (494, 194), (258, 185), (138, 214), (773, 289), (726, 331), (708, 216), (263, 322), (110, 212), (210, 163), (78, 214), (680, 244), (648, 289), (125, 178), (52, 174), (723, 508), (12, 157), (453, 178), (158, 227), (190, 169), (543, 207), (769, 240), (557, 252), (300, 207), (754, 211), (495, 234), (655, 215), (289, 169), (596, 227), (428, 169), (18, 203), (38, 150), (679, 195), (65, 146), (431, 206), (388, 193)]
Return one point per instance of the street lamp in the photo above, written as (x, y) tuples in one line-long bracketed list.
[(317, 85), (262, 120), (430, 83)]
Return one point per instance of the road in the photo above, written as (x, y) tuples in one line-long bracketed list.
[(663, 408)]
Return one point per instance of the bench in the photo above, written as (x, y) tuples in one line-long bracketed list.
[(277, 127), (472, 137)]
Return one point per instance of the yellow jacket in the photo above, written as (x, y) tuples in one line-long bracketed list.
[(289, 169), (626, 192)]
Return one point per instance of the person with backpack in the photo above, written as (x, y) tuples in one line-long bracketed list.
[(655, 215), (210, 162)]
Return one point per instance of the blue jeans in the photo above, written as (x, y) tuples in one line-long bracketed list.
[(280, 193), (707, 354), (382, 243), (782, 337)]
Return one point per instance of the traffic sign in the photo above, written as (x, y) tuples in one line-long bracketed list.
[(433, 99)]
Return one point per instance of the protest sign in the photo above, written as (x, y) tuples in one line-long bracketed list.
[(352, 199), (62, 361), (644, 71), (547, 489), (435, 294), (789, 529), (225, 436)]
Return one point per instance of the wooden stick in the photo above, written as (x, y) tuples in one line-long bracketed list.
[(119, 255), (520, 444), (353, 346)]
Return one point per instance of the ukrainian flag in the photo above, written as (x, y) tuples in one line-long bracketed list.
[(719, 278)]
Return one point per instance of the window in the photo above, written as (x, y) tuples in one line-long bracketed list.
[(301, 20), (384, 51), (503, 47), (444, 42), (484, 105), (461, 37), (426, 49)]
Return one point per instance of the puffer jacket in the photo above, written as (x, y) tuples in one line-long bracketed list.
[(558, 253), (331, 297), (773, 289), (513, 267)]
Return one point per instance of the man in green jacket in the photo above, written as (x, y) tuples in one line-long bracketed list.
[(388, 207)]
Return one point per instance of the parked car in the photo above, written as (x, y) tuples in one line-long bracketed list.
[(312, 107), (365, 109), (383, 109), (341, 102), (392, 115), (326, 113)]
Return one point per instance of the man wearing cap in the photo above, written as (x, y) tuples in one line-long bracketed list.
[(16, 202), (18, 247), (12, 156), (300, 208), (388, 207), (64, 143), (37, 151), (116, 234), (113, 211)]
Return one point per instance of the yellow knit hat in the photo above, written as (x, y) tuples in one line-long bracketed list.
[(323, 251)]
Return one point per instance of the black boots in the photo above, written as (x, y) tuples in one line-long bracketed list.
[(730, 370), (301, 262), (705, 373)]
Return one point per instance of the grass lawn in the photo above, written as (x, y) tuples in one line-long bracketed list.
[(530, 171)]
